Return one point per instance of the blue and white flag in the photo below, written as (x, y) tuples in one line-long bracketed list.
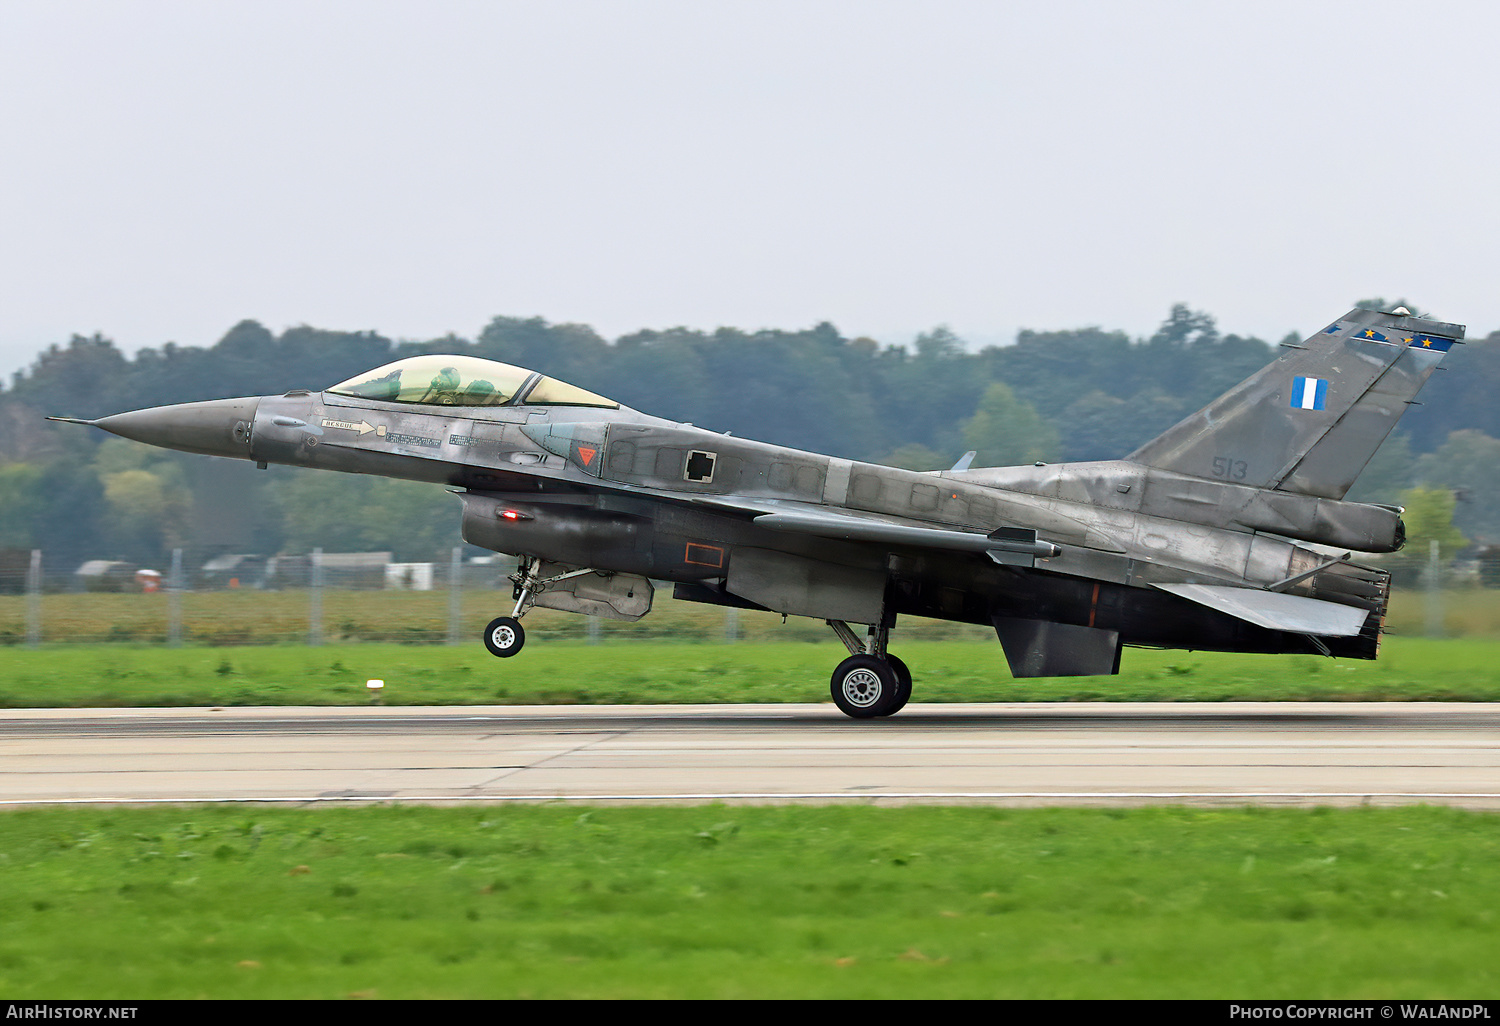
[(1309, 393)]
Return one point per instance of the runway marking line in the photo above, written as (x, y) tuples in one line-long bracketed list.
[(777, 795)]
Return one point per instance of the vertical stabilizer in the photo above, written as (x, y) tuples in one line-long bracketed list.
[(1310, 421)]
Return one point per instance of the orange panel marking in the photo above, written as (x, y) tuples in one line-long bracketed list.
[(704, 555)]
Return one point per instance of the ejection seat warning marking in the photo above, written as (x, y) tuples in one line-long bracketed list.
[(704, 555), (587, 454), (362, 428), (431, 443)]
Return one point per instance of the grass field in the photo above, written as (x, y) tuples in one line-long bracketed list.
[(572, 672), (545, 902), (245, 648), (714, 901)]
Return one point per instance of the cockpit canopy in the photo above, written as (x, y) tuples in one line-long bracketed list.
[(465, 381)]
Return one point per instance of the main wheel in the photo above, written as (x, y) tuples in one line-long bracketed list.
[(903, 684), (504, 636), (864, 686)]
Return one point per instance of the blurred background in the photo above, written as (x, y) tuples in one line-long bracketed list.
[(102, 538), (875, 229)]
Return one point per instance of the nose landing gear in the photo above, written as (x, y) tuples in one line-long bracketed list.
[(504, 635)]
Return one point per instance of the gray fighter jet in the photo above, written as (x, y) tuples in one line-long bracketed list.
[(1191, 541)]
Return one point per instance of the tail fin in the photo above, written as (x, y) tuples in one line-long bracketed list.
[(1309, 422)]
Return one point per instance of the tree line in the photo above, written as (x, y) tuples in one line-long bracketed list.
[(1081, 394)]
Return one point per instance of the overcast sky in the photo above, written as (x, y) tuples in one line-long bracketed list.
[(170, 168)]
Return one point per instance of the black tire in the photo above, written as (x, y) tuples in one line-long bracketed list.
[(863, 687), (903, 684), (504, 636)]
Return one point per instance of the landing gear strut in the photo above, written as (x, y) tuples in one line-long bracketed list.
[(504, 635), (871, 682)]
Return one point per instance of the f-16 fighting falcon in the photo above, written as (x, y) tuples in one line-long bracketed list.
[(1192, 541)]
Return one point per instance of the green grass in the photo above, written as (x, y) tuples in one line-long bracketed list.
[(716, 901), (571, 672), (677, 654)]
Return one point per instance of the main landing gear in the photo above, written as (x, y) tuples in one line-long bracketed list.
[(504, 635), (871, 682)]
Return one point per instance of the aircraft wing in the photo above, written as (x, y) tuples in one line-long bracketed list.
[(1008, 545), (1275, 610), (1011, 546), (1058, 528)]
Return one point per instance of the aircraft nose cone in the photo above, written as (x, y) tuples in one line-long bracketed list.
[(219, 427)]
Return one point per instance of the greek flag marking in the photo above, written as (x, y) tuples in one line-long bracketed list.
[(1309, 393)]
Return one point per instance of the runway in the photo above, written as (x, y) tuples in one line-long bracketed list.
[(1011, 754)]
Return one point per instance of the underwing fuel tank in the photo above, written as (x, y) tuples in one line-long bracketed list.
[(558, 533), (613, 596)]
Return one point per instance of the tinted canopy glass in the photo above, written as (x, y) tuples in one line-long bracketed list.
[(551, 392), (463, 381)]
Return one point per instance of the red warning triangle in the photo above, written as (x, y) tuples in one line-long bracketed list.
[(586, 454)]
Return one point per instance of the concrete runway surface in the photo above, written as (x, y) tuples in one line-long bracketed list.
[(1011, 754)]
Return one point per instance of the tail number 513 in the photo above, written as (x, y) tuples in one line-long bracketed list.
[(1230, 468)]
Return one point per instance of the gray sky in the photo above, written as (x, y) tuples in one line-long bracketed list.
[(170, 168)]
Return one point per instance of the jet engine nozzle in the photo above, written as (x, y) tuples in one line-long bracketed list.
[(219, 427)]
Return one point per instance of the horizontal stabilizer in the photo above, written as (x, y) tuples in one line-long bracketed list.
[(1274, 610)]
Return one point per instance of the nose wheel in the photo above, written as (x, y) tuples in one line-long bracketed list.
[(504, 636)]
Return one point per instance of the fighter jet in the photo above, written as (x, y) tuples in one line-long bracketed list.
[(1225, 533)]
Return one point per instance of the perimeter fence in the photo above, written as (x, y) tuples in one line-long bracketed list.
[(323, 598)]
